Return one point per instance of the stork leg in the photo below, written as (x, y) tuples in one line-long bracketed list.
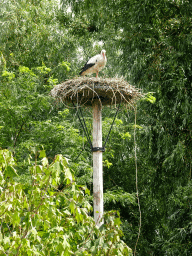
[(97, 74)]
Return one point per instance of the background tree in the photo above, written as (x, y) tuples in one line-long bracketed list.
[(149, 44)]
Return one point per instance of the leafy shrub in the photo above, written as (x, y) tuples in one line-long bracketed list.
[(37, 218)]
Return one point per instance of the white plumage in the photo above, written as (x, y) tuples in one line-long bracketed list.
[(94, 64)]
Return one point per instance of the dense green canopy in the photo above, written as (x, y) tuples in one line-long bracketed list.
[(148, 43)]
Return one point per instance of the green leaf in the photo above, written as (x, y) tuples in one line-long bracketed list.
[(66, 244), (9, 75), (149, 97), (72, 207), (42, 154), (10, 172), (16, 218), (44, 161), (68, 176)]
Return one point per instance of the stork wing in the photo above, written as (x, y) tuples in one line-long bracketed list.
[(91, 62), (86, 66)]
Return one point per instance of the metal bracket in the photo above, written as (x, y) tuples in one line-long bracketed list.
[(83, 124), (95, 149)]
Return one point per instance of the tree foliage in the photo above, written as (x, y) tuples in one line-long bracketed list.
[(148, 43), (39, 219)]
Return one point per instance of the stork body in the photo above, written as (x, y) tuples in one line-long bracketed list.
[(94, 64)]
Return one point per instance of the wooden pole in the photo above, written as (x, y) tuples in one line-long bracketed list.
[(97, 164)]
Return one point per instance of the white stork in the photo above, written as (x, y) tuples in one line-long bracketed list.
[(94, 64)]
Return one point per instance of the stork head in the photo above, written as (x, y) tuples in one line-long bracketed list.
[(103, 53)]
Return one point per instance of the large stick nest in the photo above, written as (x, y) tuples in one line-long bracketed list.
[(84, 91)]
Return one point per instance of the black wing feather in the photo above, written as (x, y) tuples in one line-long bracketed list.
[(86, 66)]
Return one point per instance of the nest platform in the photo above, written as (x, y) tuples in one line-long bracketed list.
[(85, 90)]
